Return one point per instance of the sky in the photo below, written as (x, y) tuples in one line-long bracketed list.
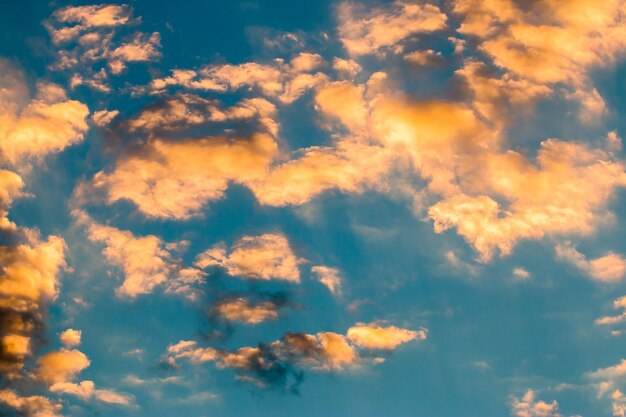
[(318, 208)]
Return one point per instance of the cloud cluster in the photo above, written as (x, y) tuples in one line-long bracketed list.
[(547, 43), (277, 364), (365, 30), (86, 36), (279, 80), (529, 406)]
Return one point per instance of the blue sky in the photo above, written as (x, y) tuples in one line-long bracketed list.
[(271, 208)]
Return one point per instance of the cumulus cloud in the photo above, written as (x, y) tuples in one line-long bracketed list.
[(277, 364), (608, 268), (372, 30), (264, 257), (70, 338), (529, 406), (34, 128), (176, 179), (329, 277)]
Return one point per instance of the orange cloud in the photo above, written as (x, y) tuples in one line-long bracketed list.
[(375, 336), (620, 303), (264, 257), (241, 310), (70, 338), (528, 406), (33, 406), (176, 179), (365, 31), (329, 277), (61, 366), (608, 268), (31, 129)]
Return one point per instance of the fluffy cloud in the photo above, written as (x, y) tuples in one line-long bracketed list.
[(375, 336), (70, 338), (264, 257), (176, 179), (329, 277), (366, 30), (608, 268), (529, 406), (33, 128), (243, 311), (145, 260), (61, 366)]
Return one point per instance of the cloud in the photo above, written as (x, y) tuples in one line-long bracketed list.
[(34, 128), (285, 82), (28, 282), (518, 38), (85, 36), (104, 117), (620, 303), (329, 277), (146, 261), (528, 406), (375, 336), (33, 406), (188, 110), (61, 366), (609, 373), (11, 186), (373, 30), (567, 192), (277, 364), (609, 268), (243, 311), (70, 338), (264, 257), (176, 179), (83, 18)]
